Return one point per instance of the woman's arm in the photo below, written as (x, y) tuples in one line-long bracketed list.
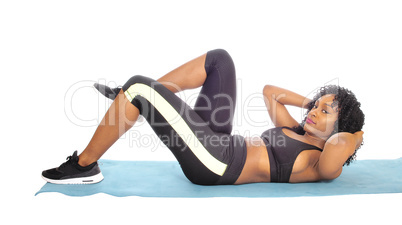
[(338, 148), (276, 99)]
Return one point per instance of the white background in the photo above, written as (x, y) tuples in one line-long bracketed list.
[(51, 52)]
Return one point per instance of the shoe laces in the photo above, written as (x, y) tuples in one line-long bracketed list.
[(69, 161)]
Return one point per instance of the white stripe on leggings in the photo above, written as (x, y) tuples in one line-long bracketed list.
[(180, 126)]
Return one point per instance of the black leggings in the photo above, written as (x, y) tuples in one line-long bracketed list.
[(200, 138)]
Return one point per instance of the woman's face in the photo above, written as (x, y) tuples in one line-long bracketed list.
[(322, 117)]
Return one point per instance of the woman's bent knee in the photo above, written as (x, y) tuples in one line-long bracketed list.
[(136, 79), (219, 55)]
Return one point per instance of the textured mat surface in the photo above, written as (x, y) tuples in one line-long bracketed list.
[(165, 179)]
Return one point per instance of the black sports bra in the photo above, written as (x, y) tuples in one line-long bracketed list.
[(282, 152)]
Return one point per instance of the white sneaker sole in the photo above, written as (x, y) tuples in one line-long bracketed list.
[(80, 180)]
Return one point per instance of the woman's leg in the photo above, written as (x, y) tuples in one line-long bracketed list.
[(217, 99), (206, 156), (206, 151), (121, 116)]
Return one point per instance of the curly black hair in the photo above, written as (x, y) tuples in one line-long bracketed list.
[(350, 118)]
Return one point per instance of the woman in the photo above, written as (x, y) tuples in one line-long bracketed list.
[(201, 139)]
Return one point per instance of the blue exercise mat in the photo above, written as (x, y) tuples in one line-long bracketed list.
[(165, 179)]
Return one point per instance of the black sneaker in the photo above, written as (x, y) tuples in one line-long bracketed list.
[(71, 172), (107, 91)]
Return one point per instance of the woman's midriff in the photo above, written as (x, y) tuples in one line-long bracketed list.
[(257, 168)]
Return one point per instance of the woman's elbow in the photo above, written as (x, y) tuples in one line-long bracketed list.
[(329, 174)]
